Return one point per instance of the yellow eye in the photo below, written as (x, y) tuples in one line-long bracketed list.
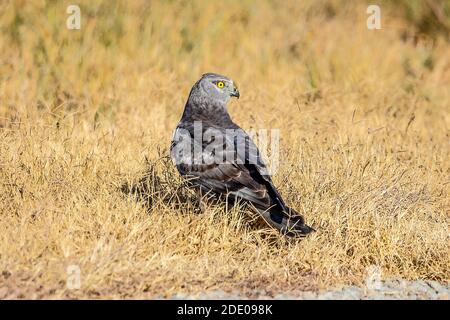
[(220, 84)]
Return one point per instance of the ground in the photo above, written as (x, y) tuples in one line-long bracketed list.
[(91, 206)]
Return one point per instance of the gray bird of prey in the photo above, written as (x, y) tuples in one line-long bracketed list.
[(219, 158)]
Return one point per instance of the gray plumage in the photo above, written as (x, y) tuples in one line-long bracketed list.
[(219, 157)]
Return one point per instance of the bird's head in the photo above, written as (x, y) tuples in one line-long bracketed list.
[(216, 87)]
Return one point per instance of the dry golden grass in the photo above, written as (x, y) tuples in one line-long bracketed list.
[(365, 152)]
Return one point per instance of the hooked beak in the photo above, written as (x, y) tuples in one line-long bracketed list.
[(235, 92)]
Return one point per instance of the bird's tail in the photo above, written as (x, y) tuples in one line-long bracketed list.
[(290, 223)]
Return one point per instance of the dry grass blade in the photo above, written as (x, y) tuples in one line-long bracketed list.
[(86, 120)]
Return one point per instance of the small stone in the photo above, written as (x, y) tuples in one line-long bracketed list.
[(353, 293)]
